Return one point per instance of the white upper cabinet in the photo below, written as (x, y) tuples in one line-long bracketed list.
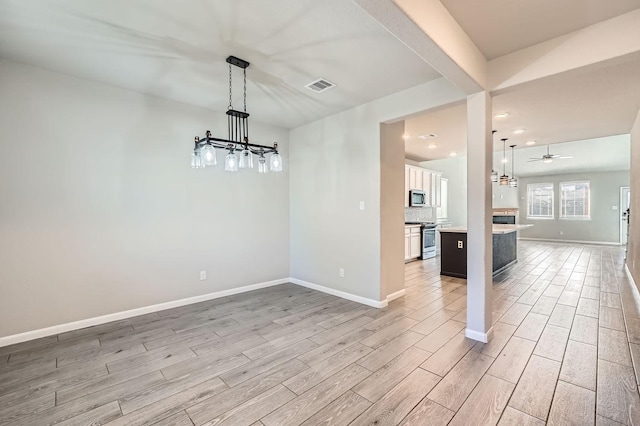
[(435, 189), (420, 179), (406, 186)]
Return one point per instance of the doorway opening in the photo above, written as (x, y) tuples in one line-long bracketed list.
[(625, 202)]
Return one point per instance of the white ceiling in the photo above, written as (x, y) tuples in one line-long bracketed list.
[(587, 103), (177, 50), (499, 27), (600, 154)]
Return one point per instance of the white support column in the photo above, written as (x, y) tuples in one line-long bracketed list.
[(479, 218)]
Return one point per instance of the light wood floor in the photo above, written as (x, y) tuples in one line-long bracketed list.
[(288, 355)]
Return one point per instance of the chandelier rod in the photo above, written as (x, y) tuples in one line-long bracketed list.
[(224, 144)]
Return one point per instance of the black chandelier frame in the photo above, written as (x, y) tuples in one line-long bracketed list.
[(237, 123)]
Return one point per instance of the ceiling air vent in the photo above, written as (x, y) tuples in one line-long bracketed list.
[(320, 85)]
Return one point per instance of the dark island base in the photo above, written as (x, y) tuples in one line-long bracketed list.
[(453, 260)]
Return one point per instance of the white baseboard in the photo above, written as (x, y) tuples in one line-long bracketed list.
[(89, 322), (478, 335), (551, 240), (397, 294), (342, 294), (626, 268)]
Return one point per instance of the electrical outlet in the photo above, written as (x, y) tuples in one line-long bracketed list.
[(460, 245), (341, 272), (361, 205), (203, 275), (614, 207)]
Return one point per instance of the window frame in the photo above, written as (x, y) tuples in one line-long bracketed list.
[(553, 201), (587, 217)]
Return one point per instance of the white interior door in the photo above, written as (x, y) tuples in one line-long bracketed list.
[(625, 201)]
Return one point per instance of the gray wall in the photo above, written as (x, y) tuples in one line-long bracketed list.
[(604, 225), (100, 211), (335, 164)]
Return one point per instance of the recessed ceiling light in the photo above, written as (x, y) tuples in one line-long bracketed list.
[(531, 142), (501, 115), (429, 136), (518, 131), (453, 154), (432, 145)]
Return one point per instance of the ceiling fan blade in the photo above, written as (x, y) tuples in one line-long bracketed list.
[(565, 156), (554, 155), (534, 159)]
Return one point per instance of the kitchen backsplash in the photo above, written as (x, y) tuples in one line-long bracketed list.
[(419, 214)]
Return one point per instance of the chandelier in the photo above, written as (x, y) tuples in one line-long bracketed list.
[(237, 141), (513, 181), (504, 179), (494, 173)]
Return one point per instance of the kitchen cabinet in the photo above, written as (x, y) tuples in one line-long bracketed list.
[(436, 189), (407, 246), (415, 245), (427, 178), (423, 180), (412, 242), (415, 178), (406, 186)]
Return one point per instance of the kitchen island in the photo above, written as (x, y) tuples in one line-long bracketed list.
[(453, 251)]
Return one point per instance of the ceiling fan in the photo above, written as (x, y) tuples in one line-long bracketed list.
[(548, 157)]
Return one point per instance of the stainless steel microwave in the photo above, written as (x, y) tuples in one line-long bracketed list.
[(417, 198)]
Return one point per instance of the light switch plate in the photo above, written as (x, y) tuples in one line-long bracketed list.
[(361, 205), (203, 275)]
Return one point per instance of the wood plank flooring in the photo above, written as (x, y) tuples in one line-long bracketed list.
[(566, 350)]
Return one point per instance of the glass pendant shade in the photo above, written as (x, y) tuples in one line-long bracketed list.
[(231, 162), (513, 182), (494, 176), (246, 159), (196, 160), (504, 180), (276, 163), (208, 156), (262, 164)]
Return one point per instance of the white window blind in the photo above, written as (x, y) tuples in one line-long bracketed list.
[(575, 200), (540, 200)]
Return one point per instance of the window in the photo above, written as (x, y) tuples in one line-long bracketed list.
[(575, 200), (540, 200)]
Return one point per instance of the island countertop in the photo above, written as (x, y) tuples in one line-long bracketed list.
[(498, 229)]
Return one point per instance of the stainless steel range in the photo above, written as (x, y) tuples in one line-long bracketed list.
[(428, 238)]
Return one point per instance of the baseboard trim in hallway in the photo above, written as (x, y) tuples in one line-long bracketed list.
[(116, 316), (344, 294)]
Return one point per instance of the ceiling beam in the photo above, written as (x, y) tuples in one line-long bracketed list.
[(427, 28), (597, 43)]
